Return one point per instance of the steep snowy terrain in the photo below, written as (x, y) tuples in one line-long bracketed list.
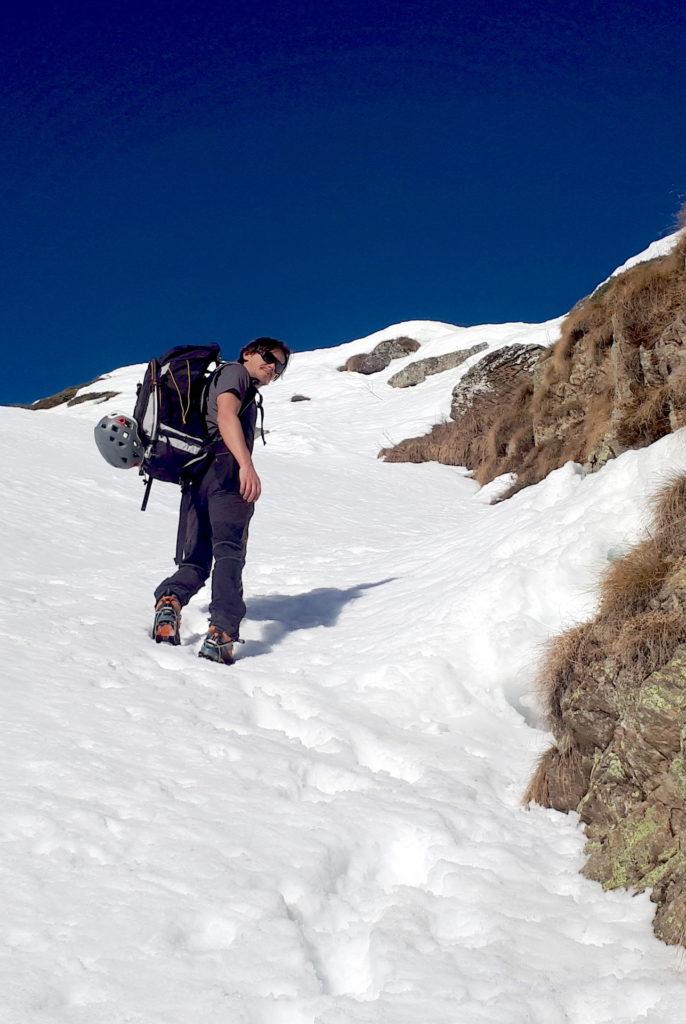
[(330, 832)]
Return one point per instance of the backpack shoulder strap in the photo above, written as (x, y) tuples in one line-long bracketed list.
[(259, 402), (211, 377)]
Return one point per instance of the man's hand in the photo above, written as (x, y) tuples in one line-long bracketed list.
[(251, 488)]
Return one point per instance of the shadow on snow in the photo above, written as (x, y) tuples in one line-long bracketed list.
[(288, 612)]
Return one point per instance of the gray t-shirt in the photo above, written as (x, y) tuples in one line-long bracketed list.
[(235, 378)]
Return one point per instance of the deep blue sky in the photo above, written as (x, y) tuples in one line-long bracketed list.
[(203, 171)]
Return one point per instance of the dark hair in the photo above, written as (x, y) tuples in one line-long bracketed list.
[(268, 343)]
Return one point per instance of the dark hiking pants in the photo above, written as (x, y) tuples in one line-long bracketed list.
[(213, 525)]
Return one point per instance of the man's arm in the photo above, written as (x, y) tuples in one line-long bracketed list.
[(231, 431)]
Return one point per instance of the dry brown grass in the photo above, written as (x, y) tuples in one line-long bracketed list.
[(626, 625), (636, 307), (538, 462), (598, 386), (489, 437), (509, 436), (649, 297), (598, 413), (631, 583), (558, 669), (563, 351), (647, 419), (646, 642), (538, 790), (669, 516), (640, 625), (558, 779), (444, 443)]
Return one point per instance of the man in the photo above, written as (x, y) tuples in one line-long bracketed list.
[(217, 507)]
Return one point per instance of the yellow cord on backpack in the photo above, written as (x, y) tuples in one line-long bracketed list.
[(184, 412)]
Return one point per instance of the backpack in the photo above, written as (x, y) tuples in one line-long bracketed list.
[(170, 413), (167, 437)]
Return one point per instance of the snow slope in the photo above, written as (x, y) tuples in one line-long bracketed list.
[(330, 832)]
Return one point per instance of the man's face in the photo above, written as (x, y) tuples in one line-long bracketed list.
[(259, 367)]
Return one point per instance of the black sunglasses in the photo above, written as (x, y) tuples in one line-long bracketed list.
[(270, 358)]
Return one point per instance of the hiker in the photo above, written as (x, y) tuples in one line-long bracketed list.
[(217, 507)]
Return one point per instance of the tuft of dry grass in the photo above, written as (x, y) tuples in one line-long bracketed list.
[(489, 437), (647, 419), (558, 669), (538, 790), (629, 584), (646, 642), (559, 779), (538, 462), (510, 435), (669, 516)]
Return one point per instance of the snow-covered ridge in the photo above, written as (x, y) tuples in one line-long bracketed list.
[(661, 247)]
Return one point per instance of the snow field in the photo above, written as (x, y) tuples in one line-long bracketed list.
[(330, 832)]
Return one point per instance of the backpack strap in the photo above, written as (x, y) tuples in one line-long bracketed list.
[(146, 493), (260, 408), (252, 395), (204, 397)]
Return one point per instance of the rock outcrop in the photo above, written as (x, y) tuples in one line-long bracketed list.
[(416, 373), (381, 356), (70, 397), (474, 436), (616, 696), (616, 379)]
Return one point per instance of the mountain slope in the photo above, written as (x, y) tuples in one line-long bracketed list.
[(331, 830)]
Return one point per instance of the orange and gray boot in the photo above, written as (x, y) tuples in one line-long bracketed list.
[(167, 625), (218, 646)]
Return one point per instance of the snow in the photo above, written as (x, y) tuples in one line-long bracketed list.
[(330, 831), (661, 247)]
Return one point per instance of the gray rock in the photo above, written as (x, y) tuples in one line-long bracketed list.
[(496, 372), (380, 356), (98, 397), (366, 363), (70, 396), (417, 372)]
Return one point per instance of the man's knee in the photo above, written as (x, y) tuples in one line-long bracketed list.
[(231, 549)]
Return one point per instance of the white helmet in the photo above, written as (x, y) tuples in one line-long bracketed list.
[(118, 441)]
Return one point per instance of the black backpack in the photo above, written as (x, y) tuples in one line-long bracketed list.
[(170, 413)]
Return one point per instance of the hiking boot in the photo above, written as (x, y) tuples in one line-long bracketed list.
[(218, 646), (167, 624)]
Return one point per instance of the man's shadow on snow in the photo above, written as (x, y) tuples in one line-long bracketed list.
[(285, 613)]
